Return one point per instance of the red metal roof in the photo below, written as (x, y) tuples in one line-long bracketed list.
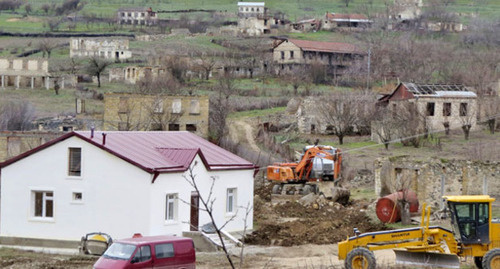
[(156, 152), (320, 46)]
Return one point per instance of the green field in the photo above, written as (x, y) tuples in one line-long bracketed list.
[(294, 10)]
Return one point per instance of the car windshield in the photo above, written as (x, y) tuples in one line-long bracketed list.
[(119, 251)]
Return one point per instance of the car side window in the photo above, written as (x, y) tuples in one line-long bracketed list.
[(164, 250), (143, 254)]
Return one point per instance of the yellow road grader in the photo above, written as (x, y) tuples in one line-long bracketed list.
[(474, 234)]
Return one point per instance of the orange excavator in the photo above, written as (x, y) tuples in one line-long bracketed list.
[(317, 164)]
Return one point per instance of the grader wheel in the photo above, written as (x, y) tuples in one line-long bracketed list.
[(491, 259), (360, 258)]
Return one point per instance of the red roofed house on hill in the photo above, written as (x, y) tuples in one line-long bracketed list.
[(120, 183), (292, 54)]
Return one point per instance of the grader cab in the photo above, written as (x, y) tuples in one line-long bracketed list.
[(475, 234)]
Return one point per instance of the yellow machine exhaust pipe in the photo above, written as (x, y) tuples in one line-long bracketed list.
[(432, 259)]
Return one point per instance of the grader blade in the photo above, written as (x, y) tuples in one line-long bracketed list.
[(432, 259)]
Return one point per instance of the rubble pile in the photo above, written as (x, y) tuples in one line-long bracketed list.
[(313, 219)]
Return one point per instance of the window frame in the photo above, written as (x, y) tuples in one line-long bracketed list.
[(171, 199), (45, 198), (464, 109), (447, 109), (231, 200), (431, 109), (71, 171)]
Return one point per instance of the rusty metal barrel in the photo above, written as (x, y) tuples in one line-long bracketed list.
[(388, 209)]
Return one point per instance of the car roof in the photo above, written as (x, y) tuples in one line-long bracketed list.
[(152, 239)]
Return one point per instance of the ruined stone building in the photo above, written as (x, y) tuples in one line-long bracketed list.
[(15, 143), (137, 16), (254, 19), (442, 106), (128, 112), (305, 25), (132, 74), (27, 73), (406, 9), (432, 178), (292, 54), (117, 49), (335, 20)]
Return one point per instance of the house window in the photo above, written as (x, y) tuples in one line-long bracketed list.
[(194, 108), (231, 200), (430, 109), (176, 106), (43, 204), (123, 105), (158, 106), (77, 197), (446, 109), (156, 127), (191, 127), (173, 127), (291, 54), (282, 55), (171, 207), (463, 109), (75, 162)]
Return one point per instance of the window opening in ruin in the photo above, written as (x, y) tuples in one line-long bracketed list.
[(447, 109), (282, 55), (191, 127), (173, 127), (291, 54), (463, 109), (430, 109)]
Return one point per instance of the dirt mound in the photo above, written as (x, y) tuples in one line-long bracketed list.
[(306, 225)]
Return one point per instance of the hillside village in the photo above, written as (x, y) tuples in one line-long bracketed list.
[(268, 132)]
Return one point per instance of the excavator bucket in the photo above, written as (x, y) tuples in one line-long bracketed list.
[(432, 259)]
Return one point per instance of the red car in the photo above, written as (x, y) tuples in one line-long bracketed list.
[(170, 252)]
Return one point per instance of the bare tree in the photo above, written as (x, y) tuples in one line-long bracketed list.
[(385, 125), (206, 63), (45, 8), (158, 118), (220, 107), (96, 67), (177, 68), (28, 9), (491, 110), (346, 2), (163, 83), (208, 203), (16, 115), (46, 46), (411, 123)]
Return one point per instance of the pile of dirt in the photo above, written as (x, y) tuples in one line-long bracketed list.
[(295, 224)]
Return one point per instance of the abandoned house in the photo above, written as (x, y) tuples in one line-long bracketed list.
[(406, 9), (254, 19), (306, 26), (28, 73), (132, 74), (117, 49), (433, 178), (292, 54), (137, 16), (99, 181), (334, 20), (18, 142), (137, 112), (442, 106)]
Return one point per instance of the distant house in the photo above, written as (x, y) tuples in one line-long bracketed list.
[(117, 49), (137, 16), (441, 105), (142, 112), (28, 73), (254, 19), (131, 74), (334, 20), (306, 25), (289, 54), (121, 183)]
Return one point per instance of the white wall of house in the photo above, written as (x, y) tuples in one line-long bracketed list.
[(118, 198)]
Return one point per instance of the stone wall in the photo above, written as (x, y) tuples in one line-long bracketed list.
[(15, 143), (433, 178), (99, 47), (123, 112), (27, 73)]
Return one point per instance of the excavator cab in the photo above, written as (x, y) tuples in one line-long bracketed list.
[(471, 221)]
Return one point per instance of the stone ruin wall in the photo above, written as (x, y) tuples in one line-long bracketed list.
[(460, 177)]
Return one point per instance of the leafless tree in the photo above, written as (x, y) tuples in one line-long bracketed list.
[(163, 83), (97, 66), (28, 9), (411, 123), (208, 202), (248, 210), (491, 108), (385, 126), (159, 117), (346, 2), (317, 72), (16, 115), (338, 111), (177, 68), (220, 106), (45, 8), (206, 63), (46, 46), (54, 23)]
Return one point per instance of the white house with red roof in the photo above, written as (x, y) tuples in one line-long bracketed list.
[(121, 183)]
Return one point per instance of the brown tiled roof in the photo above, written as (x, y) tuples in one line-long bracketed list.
[(307, 45), (338, 16)]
